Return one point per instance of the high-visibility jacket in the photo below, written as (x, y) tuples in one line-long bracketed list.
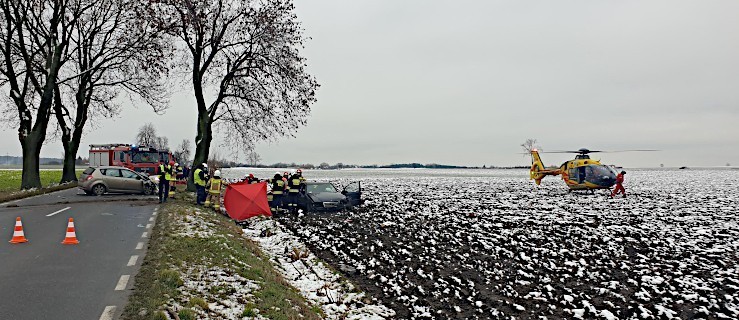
[(278, 186), (215, 186), (294, 183), (165, 171), (198, 180)]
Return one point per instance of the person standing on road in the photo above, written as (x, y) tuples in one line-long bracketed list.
[(619, 185), (165, 172), (200, 178)]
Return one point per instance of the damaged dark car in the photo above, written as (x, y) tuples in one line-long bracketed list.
[(324, 196)]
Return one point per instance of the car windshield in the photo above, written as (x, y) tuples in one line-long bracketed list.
[(145, 157), (320, 187)]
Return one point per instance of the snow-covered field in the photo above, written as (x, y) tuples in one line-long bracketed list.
[(491, 244)]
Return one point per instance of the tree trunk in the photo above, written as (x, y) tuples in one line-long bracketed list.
[(69, 173), (202, 145), (31, 145)]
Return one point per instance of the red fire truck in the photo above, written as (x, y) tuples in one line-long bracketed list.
[(137, 158)]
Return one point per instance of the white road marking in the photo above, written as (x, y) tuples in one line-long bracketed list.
[(148, 226), (151, 219), (145, 234), (122, 282), (108, 313), (139, 246), (53, 213), (132, 261)]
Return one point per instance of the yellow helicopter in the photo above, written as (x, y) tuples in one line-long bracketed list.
[(581, 173)]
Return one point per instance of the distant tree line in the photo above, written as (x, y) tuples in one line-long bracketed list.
[(326, 166)]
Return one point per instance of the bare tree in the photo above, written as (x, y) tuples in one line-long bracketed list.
[(162, 143), (529, 145), (35, 37), (182, 154), (114, 50), (253, 158), (147, 135), (247, 54)]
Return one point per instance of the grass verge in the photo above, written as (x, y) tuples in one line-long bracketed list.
[(198, 264), (10, 184)]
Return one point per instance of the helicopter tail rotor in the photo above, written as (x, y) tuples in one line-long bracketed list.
[(538, 171)]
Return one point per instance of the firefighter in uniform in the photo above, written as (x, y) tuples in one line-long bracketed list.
[(214, 190), (172, 178), (278, 189), (200, 178), (294, 184), (165, 173), (251, 179)]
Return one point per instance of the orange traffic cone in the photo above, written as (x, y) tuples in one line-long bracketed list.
[(71, 235), (18, 236)]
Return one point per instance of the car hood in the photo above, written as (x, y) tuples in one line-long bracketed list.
[(326, 197)]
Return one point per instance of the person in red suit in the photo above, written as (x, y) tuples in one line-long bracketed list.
[(619, 185)]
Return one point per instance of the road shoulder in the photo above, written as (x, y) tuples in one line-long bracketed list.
[(199, 265)]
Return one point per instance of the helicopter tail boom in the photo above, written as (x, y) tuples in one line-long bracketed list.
[(538, 171)]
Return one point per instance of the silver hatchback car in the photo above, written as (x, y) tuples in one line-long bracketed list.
[(100, 180)]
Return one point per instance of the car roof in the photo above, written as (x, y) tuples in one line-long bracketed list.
[(110, 167)]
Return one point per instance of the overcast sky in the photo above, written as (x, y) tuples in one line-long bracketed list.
[(466, 82)]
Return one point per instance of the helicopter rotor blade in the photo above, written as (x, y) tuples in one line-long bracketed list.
[(634, 150)]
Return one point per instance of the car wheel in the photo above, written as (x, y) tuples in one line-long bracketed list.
[(98, 189), (148, 190)]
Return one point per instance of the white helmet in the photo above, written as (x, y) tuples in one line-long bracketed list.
[(217, 173), (176, 164), (278, 173), (205, 165), (292, 172)]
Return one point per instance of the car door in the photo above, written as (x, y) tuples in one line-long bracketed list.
[(131, 181), (114, 180), (353, 193)]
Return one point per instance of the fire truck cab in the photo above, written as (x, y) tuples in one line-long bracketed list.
[(137, 158)]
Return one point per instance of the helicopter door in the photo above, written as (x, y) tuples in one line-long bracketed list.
[(572, 174), (581, 175)]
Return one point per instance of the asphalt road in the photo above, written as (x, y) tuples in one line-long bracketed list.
[(44, 279)]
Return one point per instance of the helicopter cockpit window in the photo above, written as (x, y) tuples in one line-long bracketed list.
[(600, 171)]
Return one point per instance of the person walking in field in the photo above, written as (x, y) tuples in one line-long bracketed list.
[(619, 185)]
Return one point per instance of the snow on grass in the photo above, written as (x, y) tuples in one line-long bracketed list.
[(196, 225), (338, 298), (670, 249)]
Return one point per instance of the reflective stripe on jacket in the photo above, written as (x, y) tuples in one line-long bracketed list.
[(215, 186), (278, 186), (295, 185)]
